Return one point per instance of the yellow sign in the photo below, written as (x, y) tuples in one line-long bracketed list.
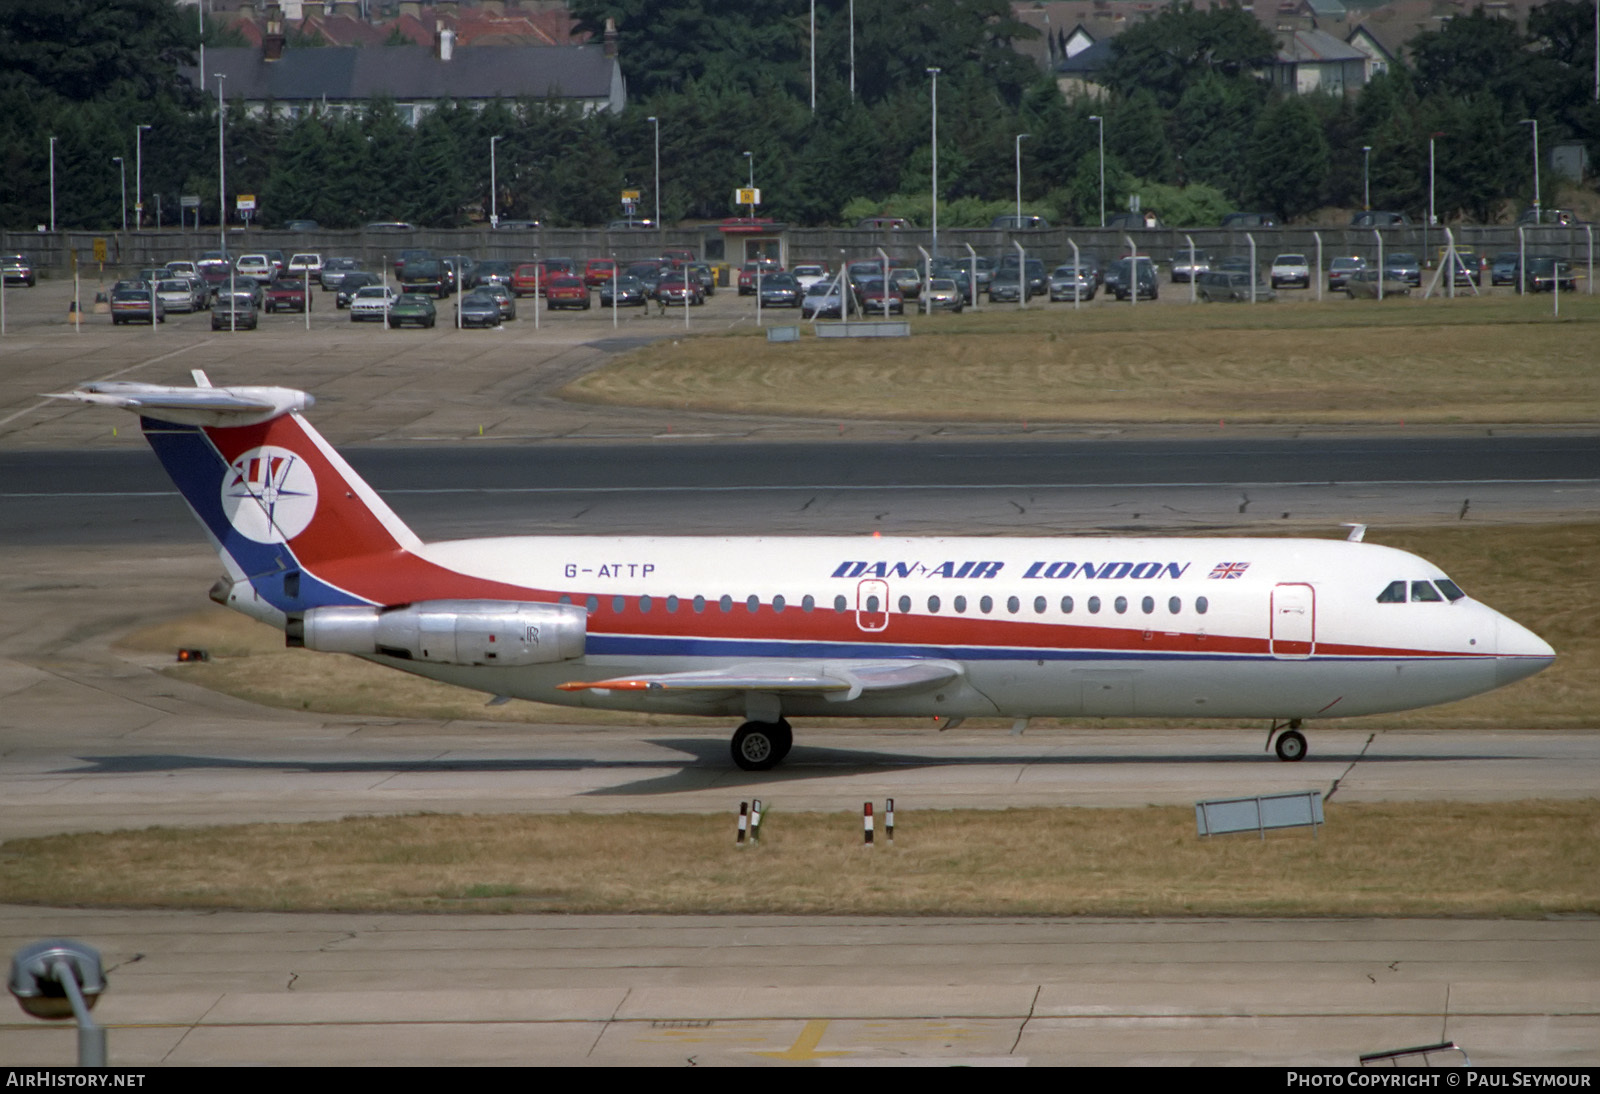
[(100, 249), (749, 195), (630, 197), (245, 202)]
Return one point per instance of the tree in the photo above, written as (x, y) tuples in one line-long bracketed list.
[(1166, 54), (1288, 158), (83, 50), (1215, 118)]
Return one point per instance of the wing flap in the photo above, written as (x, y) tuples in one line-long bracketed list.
[(840, 680)]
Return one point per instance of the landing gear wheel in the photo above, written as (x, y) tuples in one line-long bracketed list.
[(760, 746), (1291, 747)]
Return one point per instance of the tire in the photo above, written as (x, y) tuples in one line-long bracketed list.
[(1291, 746), (759, 746)]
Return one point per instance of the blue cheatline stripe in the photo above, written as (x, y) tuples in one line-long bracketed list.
[(198, 470)]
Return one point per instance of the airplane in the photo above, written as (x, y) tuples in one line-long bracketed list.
[(812, 627)]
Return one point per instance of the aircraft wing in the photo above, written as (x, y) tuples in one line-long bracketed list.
[(835, 679)]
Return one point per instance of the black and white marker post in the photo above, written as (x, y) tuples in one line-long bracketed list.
[(744, 824), (755, 821), (888, 821), (866, 825)]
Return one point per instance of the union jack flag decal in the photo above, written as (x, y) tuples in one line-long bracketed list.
[(1228, 570)]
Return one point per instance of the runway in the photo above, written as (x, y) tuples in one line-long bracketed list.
[(93, 544)]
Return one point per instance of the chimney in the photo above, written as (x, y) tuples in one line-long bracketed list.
[(447, 44), (346, 9), (311, 9), (446, 9), (412, 8), (272, 41), (247, 12), (611, 37)]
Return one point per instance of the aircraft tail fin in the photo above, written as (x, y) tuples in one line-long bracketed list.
[(284, 510)]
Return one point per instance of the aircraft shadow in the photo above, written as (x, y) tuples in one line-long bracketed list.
[(705, 761)]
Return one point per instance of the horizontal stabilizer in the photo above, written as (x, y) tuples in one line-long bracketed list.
[(841, 679), (204, 406)]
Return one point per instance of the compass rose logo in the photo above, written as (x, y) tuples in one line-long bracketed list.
[(269, 494)]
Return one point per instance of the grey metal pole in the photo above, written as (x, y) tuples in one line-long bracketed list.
[(222, 174), (1538, 210), (934, 72), (1020, 138), (122, 167), (52, 185), (655, 123), (138, 176), (1102, 123), (1077, 277), (494, 189), (1366, 176)]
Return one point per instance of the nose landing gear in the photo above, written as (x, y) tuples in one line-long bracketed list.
[(1291, 746)]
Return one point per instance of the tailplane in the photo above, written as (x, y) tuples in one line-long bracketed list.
[(294, 524)]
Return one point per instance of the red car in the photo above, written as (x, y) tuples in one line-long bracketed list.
[(598, 271), (747, 276), (680, 289), (566, 291), (528, 279), (286, 296)]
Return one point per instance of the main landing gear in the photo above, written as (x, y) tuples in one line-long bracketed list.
[(761, 746), (1291, 747)]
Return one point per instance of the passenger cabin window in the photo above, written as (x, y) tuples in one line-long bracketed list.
[(1393, 593), (933, 605), (838, 603)]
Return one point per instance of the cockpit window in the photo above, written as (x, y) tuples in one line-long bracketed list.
[(1450, 589), (1424, 590), (1393, 593)]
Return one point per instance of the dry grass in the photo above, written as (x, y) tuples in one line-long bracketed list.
[(1518, 859), (1351, 362), (1545, 576)]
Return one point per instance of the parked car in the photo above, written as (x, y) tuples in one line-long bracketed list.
[(877, 299), (412, 307), (1249, 220), (258, 266), (1230, 286), (680, 288), (781, 291), (182, 268), (301, 226), (1376, 218), (1013, 223), (809, 273), (1125, 221), (1341, 269), (134, 305), (288, 295), (493, 271), (1186, 265), (623, 292), (1365, 283), (502, 297), (477, 308), (410, 254), (459, 271), (372, 302), (504, 225), (943, 295), (333, 271), (631, 225), (1503, 267), (1546, 273), (17, 269), (425, 275), (883, 224), (566, 291), (180, 294), (597, 271), (305, 265), (824, 301), (1290, 269), (528, 279), (353, 283), (906, 279), (234, 313), (1069, 282), (703, 273), (390, 226), (748, 275), (1466, 268), (1120, 281), (1402, 266)]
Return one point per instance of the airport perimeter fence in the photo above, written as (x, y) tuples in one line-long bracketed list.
[(52, 252)]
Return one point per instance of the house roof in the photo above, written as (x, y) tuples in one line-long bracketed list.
[(1087, 62), (1315, 47), (341, 73)]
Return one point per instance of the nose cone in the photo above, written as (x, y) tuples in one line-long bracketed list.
[(1519, 653)]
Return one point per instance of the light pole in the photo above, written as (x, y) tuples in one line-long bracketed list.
[(655, 123), (138, 176), (123, 168), (1020, 138), (1538, 213), (1101, 122), (222, 175), (1433, 215), (813, 56), (494, 188), (52, 184), (934, 174), (1366, 176), (750, 159)]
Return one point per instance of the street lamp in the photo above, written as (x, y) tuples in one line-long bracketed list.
[(813, 56), (494, 189), (1101, 122), (1538, 214), (1433, 215), (1020, 138), (138, 176), (750, 159), (934, 174), (655, 123), (123, 168), (1366, 176), (52, 184), (222, 173)]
